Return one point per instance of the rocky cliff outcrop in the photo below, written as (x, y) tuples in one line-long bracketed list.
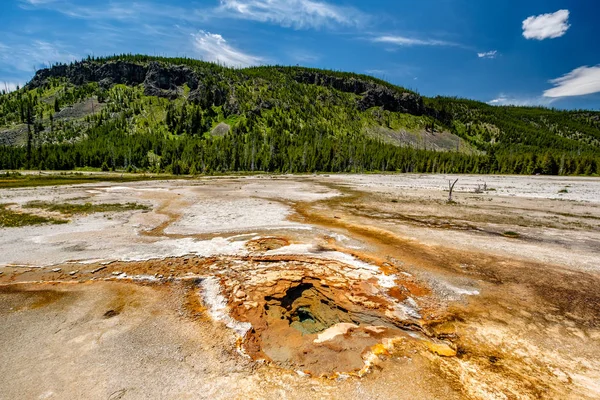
[(83, 72), (348, 85), (164, 81), (381, 96), (373, 94), (158, 79)]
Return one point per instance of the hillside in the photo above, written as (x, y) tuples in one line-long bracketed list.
[(186, 116)]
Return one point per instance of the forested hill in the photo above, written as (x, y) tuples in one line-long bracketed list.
[(186, 116)]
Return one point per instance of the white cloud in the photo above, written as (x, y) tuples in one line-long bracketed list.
[(120, 11), (546, 26), (212, 47), (506, 100), (298, 14), (408, 41), (501, 100), (488, 54), (580, 81)]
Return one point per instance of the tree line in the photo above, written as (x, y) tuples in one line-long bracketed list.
[(276, 124)]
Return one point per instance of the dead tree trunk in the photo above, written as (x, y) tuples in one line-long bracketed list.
[(451, 187)]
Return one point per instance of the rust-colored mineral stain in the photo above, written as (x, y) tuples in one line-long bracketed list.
[(417, 289), (266, 244), (33, 298), (292, 304), (327, 318), (289, 300), (397, 293)]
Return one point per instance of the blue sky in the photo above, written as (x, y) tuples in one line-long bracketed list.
[(525, 52)]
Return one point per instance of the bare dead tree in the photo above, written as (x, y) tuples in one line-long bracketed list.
[(451, 188)]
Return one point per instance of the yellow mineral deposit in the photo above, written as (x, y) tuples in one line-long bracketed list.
[(336, 287)]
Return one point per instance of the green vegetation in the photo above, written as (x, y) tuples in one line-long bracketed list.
[(565, 190), (511, 235), (87, 208), (14, 219), (282, 119), (16, 180)]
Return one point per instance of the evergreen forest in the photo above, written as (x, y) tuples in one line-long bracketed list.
[(184, 116)]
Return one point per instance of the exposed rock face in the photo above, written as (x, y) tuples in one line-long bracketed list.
[(208, 94), (348, 85), (220, 130), (13, 136), (374, 95), (390, 100), (121, 72), (158, 79), (164, 81), (169, 77), (84, 72)]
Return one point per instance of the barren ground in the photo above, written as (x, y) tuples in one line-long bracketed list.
[(294, 287)]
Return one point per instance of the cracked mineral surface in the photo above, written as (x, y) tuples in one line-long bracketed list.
[(336, 287)]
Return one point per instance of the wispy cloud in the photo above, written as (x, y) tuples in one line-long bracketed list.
[(303, 56), (507, 100), (115, 26), (488, 54), (404, 71), (546, 26), (30, 56), (411, 41), (299, 14), (213, 47), (37, 2), (376, 72), (581, 81), (123, 11)]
